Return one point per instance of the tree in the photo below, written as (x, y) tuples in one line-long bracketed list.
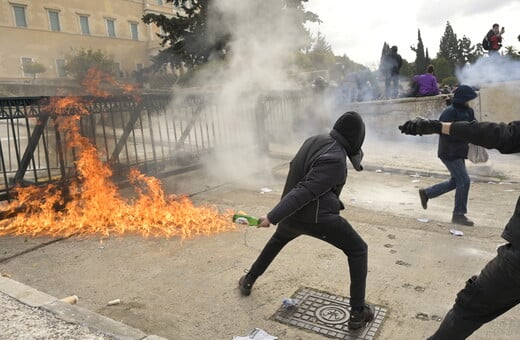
[(511, 52), (408, 69), (321, 45), (190, 40), (466, 51), (321, 54), (33, 68), (420, 59), (449, 46), (442, 68), (79, 62)]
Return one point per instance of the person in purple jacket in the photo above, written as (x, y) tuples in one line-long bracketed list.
[(426, 83)]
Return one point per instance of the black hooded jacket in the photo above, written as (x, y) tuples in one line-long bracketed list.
[(452, 147), (316, 177), (318, 173), (506, 139)]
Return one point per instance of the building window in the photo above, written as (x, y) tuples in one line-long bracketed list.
[(111, 28), (133, 30), (60, 68), (54, 21), (83, 22), (19, 16), (159, 2), (23, 62)]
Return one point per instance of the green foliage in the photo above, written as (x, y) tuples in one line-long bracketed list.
[(457, 52), (421, 62), (80, 61), (408, 69), (466, 51), (189, 38), (442, 68), (450, 81), (511, 52), (321, 57), (33, 68), (449, 46)]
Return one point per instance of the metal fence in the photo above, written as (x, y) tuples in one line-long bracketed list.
[(152, 132)]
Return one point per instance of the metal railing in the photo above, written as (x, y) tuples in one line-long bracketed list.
[(152, 132)]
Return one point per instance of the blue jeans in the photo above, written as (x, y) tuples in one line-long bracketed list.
[(459, 181)]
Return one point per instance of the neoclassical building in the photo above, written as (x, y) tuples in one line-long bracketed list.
[(45, 31)]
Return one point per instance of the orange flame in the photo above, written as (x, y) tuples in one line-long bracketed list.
[(91, 204)]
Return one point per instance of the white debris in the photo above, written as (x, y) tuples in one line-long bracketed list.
[(256, 334), (264, 190), (423, 220), (114, 302), (456, 232)]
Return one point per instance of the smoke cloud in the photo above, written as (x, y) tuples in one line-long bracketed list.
[(264, 39), (489, 70)]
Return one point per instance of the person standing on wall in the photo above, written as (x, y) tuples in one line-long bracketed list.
[(392, 63)]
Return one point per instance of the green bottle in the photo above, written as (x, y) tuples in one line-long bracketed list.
[(246, 219)]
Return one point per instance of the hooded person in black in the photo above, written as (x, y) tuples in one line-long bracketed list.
[(310, 205), (453, 151), (497, 288)]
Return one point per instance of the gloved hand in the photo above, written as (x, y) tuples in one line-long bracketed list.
[(421, 126)]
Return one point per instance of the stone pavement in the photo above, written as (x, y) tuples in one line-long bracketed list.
[(416, 266), (26, 313)]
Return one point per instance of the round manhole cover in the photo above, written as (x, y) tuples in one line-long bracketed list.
[(332, 314)]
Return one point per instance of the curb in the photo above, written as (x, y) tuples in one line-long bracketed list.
[(475, 177), (71, 313)]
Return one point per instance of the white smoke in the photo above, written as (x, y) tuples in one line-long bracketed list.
[(264, 39), (489, 70)]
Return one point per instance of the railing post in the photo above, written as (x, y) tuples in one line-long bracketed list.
[(31, 147), (261, 131)]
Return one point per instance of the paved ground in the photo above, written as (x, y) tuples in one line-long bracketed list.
[(187, 289)]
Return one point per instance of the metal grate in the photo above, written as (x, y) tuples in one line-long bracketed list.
[(326, 314)]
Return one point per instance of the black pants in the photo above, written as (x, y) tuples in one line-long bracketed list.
[(485, 297), (338, 233)]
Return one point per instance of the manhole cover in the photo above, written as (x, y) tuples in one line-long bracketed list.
[(326, 314)]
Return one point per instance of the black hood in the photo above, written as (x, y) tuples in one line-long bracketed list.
[(349, 131)]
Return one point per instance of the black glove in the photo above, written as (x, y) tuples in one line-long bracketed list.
[(420, 126)]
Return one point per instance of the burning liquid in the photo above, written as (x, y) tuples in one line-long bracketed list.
[(91, 204)]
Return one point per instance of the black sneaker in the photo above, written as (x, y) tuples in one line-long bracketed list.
[(245, 284), (359, 319), (462, 220), (424, 198)]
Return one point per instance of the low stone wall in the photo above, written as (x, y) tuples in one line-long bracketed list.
[(383, 116), (498, 102)]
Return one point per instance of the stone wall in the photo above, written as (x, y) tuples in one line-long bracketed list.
[(500, 103)]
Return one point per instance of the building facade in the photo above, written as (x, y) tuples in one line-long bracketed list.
[(46, 31)]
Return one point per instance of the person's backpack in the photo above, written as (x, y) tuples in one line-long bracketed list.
[(485, 43)]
